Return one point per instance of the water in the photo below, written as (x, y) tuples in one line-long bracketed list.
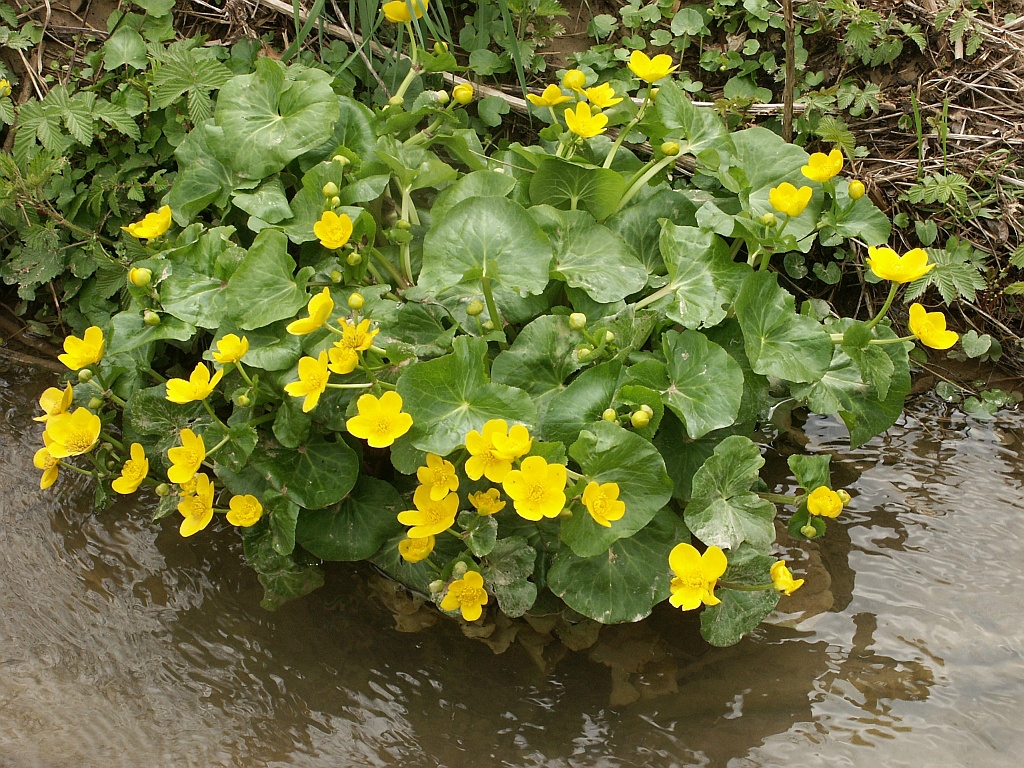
[(122, 644)]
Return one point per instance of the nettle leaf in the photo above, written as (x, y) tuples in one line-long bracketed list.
[(541, 358), (580, 405), (958, 273), (272, 116), (607, 453), (506, 571), (624, 583), (571, 186), (842, 390), (638, 226), (589, 256), (740, 610), (451, 396), (703, 277), (191, 71), (699, 381), (811, 471), (355, 528), (778, 341), (486, 238), (264, 288), (481, 532), (314, 476), (723, 511)]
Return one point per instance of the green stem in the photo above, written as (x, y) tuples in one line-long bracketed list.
[(658, 294), (218, 446), (392, 270), (209, 410), (900, 340), (413, 59), (629, 127), (885, 307), (263, 419), (573, 475), (492, 308), (638, 183), (375, 382), (116, 443), (350, 386), (73, 468), (780, 498), (243, 374)]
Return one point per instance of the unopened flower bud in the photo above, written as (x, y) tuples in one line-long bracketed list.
[(459, 569), (356, 301), (609, 337), (403, 224), (640, 419), (487, 325), (768, 219), (856, 189), (475, 308), (84, 376), (436, 587), (610, 414), (574, 80), (244, 401), (577, 321), (149, 317), (647, 409), (670, 148), (163, 489), (843, 497), (584, 352), (565, 514), (396, 101), (441, 97), (340, 160), (336, 276), (5, 88), (334, 202), (330, 189), (463, 93), (809, 531), (95, 403), (354, 259), (654, 93), (139, 276), (440, 48)]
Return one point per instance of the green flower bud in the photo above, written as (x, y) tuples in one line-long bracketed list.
[(336, 276), (577, 321), (609, 337), (330, 189), (334, 202), (244, 401), (84, 376), (403, 224), (340, 160), (647, 409), (809, 531), (488, 325), (584, 352), (354, 259), (640, 419), (843, 497), (856, 190), (565, 514), (475, 308), (356, 301), (440, 48), (163, 489), (95, 403), (670, 148), (610, 414), (442, 97), (149, 317), (396, 101), (459, 569), (139, 276), (436, 587), (768, 219)]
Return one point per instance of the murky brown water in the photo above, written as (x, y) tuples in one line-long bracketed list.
[(122, 644)]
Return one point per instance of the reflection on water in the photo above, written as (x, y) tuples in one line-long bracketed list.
[(122, 644)]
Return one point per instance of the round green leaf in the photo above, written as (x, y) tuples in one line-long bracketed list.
[(355, 528), (314, 476), (541, 358), (580, 405), (571, 186), (263, 289)]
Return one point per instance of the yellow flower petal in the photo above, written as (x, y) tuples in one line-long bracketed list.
[(380, 421), (153, 225)]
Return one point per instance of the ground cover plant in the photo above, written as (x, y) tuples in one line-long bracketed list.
[(524, 378)]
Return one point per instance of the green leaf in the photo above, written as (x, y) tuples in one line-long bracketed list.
[(723, 511), (155, 8), (580, 405), (270, 348), (625, 583), (639, 227), (268, 201), (571, 186), (282, 578), (541, 358), (607, 453), (505, 571), (193, 71), (958, 272), (128, 332), (149, 412), (125, 47), (740, 611), (778, 341), (282, 514), (810, 471), (314, 476), (481, 532), (700, 382), (487, 237), (700, 126), (859, 219), (589, 256), (357, 527), (291, 426), (875, 366), (263, 289), (451, 396), (266, 119), (193, 298), (491, 108), (203, 179), (241, 441), (702, 275), (475, 184), (354, 132)]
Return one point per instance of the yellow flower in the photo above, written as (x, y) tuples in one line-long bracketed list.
[(80, 353), (574, 80), (651, 70), (5, 87), (357, 336), (484, 459), (188, 487), (244, 511), (789, 200), (431, 516), (343, 359), (380, 422), (856, 189), (930, 328), (825, 502), (822, 167), (197, 508), (153, 225), (73, 433), (603, 96), (537, 489), (466, 595), (186, 458), (602, 502), (320, 308), (333, 230), (45, 461), (414, 550), (551, 97), (463, 94), (133, 472), (439, 476), (583, 124), (782, 579), (231, 349), (198, 387), (312, 383), (695, 576), (54, 402), (889, 265), (487, 502), (513, 445), (397, 11)]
